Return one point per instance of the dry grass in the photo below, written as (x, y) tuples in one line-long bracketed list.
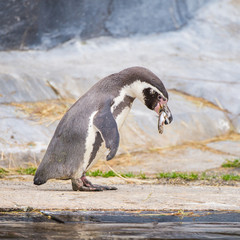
[(45, 112), (202, 144)]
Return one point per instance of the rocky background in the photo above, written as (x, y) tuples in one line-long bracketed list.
[(54, 51), (45, 24)]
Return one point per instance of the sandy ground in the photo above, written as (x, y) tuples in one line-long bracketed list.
[(20, 193)]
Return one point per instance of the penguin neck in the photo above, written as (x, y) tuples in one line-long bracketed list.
[(122, 102), (128, 93), (135, 90)]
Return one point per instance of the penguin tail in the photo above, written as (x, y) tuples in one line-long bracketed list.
[(38, 179)]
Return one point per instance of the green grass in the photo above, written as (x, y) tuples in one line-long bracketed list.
[(172, 175), (99, 173), (3, 172), (163, 175), (109, 174), (232, 164), (142, 175), (128, 175), (167, 175), (230, 177), (96, 173), (204, 176), (27, 171), (196, 176)]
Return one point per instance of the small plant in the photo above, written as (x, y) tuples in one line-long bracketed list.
[(142, 175), (186, 176), (128, 175), (99, 173), (229, 164), (27, 171), (109, 174), (204, 176), (167, 175), (96, 173), (231, 177), (3, 172), (172, 175)]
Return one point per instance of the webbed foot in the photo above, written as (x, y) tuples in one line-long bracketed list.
[(82, 184)]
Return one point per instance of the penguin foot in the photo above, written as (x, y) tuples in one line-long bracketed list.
[(82, 184), (87, 183), (79, 185), (104, 187)]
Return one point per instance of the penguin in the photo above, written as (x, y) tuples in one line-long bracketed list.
[(91, 126)]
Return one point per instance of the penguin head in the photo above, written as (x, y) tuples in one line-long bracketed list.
[(155, 99), (150, 90), (143, 84), (152, 97)]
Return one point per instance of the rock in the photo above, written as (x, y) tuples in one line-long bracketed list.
[(187, 159), (22, 88), (191, 122), (198, 64), (25, 141), (229, 147), (22, 141), (46, 24), (140, 17), (236, 123)]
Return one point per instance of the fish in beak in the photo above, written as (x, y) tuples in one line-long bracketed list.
[(164, 115)]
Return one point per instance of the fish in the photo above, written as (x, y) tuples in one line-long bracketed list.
[(162, 117)]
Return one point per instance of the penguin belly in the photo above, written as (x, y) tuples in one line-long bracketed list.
[(121, 117), (95, 147)]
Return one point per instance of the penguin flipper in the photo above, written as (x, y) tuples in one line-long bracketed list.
[(107, 126)]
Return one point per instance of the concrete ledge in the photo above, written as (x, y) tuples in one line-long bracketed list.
[(22, 194)]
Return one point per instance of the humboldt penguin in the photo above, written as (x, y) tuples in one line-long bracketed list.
[(91, 126)]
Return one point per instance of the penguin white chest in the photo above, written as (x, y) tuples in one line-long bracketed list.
[(122, 116), (90, 139)]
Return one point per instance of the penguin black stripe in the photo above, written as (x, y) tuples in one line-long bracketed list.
[(127, 102), (91, 125)]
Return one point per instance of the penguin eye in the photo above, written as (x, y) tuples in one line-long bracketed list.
[(159, 97)]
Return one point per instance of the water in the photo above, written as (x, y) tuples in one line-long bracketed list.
[(120, 225)]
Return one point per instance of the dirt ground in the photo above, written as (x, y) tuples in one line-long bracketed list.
[(18, 192)]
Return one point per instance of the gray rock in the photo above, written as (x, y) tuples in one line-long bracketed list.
[(22, 140), (23, 88), (236, 123), (190, 123), (192, 60), (44, 24), (137, 16), (229, 147), (174, 160)]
